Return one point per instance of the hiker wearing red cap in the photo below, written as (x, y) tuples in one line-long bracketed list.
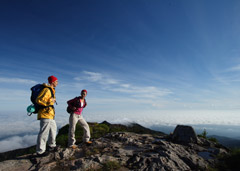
[(46, 115), (77, 104)]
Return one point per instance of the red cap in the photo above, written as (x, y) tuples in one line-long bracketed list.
[(83, 91), (51, 79)]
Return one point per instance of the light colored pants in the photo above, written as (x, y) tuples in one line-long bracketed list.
[(73, 120), (47, 133)]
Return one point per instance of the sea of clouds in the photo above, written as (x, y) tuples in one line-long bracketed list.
[(222, 123), (17, 130)]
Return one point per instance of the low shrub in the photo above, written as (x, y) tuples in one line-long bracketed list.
[(111, 165)]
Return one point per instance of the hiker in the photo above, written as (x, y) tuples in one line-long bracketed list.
[(46, 115), (77, 104)]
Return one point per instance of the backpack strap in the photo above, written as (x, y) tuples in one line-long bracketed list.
[(51, 91), (52, 96), (78, 105)]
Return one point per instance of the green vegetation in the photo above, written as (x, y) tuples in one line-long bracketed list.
[(204, 135), (91, 151), (228, 162), (111, 165), (212, 139), (97, 130), (100, 129)]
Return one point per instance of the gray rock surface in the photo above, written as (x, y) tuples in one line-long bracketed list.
[(128, 151)]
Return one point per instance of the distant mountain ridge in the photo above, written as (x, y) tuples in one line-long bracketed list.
[(230, 142), (226, 141)]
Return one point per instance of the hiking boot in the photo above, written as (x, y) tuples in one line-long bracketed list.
[(88, 142), (73, 146), (46, 153), (53, 149)]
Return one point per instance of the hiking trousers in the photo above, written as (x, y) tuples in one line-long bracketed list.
[(47, 134), (73, 120)]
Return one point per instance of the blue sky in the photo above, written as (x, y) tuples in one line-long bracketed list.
[(134, 57)]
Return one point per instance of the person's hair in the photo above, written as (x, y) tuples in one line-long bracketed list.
[(83, 91)]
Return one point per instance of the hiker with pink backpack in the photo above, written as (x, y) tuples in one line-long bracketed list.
[(75, 108)]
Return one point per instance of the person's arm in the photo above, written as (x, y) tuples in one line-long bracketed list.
[(44, 98)]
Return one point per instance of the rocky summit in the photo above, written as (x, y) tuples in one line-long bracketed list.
[(182, 150)]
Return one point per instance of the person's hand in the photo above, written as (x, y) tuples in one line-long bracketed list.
[(53, 100)]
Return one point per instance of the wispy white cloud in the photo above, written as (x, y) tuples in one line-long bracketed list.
[(16, 80), (234, 68), (14, 95), (100, 78), (143, 91), (227, 76), (125, 85), (116, 85), (93, 76)]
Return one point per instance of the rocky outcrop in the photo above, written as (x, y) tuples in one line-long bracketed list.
[(127, 151), (184, 134)]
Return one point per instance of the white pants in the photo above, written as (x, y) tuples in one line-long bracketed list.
[(47, 133), (73, 120)]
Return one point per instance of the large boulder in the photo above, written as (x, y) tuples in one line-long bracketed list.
[(184, 135)]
